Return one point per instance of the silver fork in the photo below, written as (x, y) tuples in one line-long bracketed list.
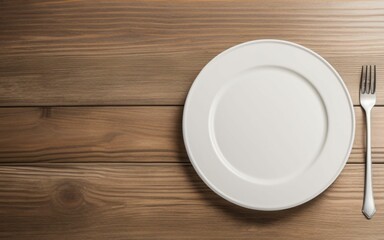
[(367, 101)]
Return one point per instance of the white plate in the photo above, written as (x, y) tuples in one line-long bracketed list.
[(268, 124)]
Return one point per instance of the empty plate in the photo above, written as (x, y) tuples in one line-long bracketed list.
[(268, 124)]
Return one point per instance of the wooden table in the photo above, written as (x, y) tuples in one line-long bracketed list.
[(91, 96)]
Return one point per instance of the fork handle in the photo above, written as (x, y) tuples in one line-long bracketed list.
[(369, 202)]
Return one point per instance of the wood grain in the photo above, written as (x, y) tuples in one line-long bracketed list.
[(111, 134), (148, 52), (91, 96), (120, 134), (168, 201)]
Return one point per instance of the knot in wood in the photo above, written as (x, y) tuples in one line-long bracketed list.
[(69, 195)]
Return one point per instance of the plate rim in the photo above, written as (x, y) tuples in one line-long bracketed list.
[(288, 206)]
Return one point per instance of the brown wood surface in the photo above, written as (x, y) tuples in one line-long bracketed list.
[(168, 201), (91, 96), (121, 134), (148, 52)]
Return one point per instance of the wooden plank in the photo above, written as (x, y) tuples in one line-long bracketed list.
[(127, 201), (149, 52), (120, 134), (113, 134)]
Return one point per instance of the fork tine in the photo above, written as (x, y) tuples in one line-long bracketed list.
[(369, 81), (365, 79), (374, 80), (361, 79)]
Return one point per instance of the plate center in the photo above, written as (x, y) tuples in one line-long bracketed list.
[(268, 124)]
